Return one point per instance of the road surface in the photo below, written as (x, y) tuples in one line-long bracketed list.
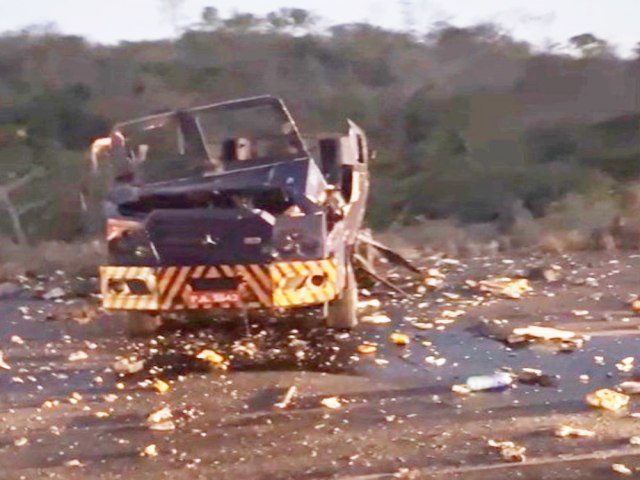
[(66, 414)]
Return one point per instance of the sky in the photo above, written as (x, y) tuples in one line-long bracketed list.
[(541, 22)]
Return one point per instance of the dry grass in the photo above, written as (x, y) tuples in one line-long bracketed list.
[(76, 258), (574, 223)]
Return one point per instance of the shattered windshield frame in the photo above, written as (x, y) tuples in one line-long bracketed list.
[(205, 140)]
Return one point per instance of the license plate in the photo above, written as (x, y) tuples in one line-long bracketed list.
[(230, 296)]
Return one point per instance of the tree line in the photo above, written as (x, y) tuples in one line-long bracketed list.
[(468, 123)]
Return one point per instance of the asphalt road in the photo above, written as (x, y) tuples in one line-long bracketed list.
[(65, 413)]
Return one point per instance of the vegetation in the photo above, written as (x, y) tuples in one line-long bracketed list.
[(469, 124)]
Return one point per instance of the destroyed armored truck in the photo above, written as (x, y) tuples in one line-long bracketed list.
[(226, 208)]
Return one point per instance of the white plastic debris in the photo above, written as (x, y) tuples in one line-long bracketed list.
[(77, 356), (621, 469), (565, 431), (376, 319), (630, 387), (161, 420), (128, 366), (333, 403), (4, 365), (510, 451), (288, 397), (54, 294)]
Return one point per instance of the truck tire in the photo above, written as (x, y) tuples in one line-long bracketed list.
[(342, 312)]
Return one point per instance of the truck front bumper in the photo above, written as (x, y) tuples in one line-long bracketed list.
[(274, 285)]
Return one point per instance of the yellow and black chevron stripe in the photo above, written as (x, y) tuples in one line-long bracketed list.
[(282, 284)]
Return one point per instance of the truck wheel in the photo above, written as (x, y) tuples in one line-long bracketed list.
[(139, 324), (342, 310)]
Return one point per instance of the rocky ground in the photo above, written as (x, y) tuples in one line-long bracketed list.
[(82, 398)]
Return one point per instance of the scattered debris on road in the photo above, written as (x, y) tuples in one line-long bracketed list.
[(161, 420), (161, 386), (149, 451), (505, 287), (289, 395), (564, 431), (20, 442), (333, 403), (369, 304), (510, 451), (626, 365), (367, 348), (496, 381), (607, 399), (630, 387), (435, 361), (550, 274), (77, 356), (534, 376), (400, 339), (128, 366), (3, 364), (532, 333), (377, 319), (213, 358), (621, 469), (54, 294)]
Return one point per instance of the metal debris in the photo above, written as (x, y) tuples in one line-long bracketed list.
[(288, 397), (608, 399)]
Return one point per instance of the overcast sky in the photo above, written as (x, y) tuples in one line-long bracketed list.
[(539, 21)]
